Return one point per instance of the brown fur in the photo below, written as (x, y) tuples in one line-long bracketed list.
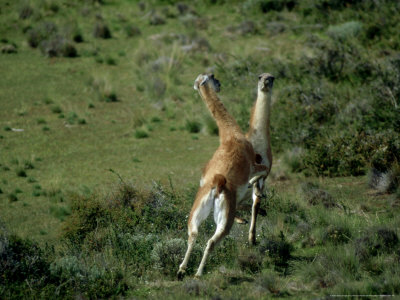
[(228, 171), (259, 136)]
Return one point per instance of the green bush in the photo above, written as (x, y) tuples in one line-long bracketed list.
[(277, 248), (193, 126), (313, 195), (250, 261), (86, 215), (168, 255), (376, 241), (141, 134), (101, 30), (24, 267)]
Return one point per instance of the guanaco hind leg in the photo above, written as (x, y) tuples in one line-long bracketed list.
[(198, 215), (258, 187), (222, 220)]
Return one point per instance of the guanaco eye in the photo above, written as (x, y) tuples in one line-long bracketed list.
[(259, 77)]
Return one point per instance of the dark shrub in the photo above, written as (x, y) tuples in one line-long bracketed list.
[(9, 49), (193, 126), (24, 267), (28, 165), (77, 36), (25, 12), (40, 33), (276, 5), (101, 30), (278, 249), (86, 215), (194, 287), (127, 195), (274, 28), (385, 181), (12, 197), (141, 133), (250, 261), (167, 255), (313, 195), (21, 172), (132, 31), (376, 241), (155, 19), (337, 234)]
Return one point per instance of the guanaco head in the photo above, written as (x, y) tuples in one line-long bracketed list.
[(265, 82), (209, 79)]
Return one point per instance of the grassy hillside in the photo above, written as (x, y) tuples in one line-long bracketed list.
[(102, 141)]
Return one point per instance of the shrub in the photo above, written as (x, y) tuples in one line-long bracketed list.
[(250, 261), (140, 134), (41, 121), (24, 267), (58, 46), (86, 215), (345, 31), (72, 117), (313, 195), (77, 37), (193, 126), (194, 287), (132, 31), (110, 96), (28, 165), (25, 12), (93, 280), (278, 249), (168, 255), (56, 109), (12, 197), (111, 61), (8, 49), (385, 182), (267, 6), (101, 30), (376, 241), (127, 195), (333, 266), (41, 33), (337, 234), (21, 172), (156, 19), (271, 282)]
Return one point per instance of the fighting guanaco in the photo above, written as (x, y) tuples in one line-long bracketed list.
[(225, 177)]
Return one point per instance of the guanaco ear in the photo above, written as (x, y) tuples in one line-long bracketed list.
[(219, 182)]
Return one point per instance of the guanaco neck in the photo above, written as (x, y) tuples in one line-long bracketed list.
[(260, 117), (227, 125), (259, 131)]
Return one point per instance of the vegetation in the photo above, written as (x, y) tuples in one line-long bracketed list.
[(89, 87)]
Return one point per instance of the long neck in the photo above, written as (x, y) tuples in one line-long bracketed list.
[(227, 125), (260, 117)]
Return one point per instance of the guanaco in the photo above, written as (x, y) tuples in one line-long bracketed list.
[(259, 136), (225, 177)]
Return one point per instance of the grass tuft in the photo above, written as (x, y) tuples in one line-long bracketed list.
[(140, 134), (21, 172)]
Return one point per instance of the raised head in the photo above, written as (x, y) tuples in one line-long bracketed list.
[(207, 79), (265, 82)]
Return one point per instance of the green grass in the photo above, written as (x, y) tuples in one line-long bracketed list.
[(126, 103)]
